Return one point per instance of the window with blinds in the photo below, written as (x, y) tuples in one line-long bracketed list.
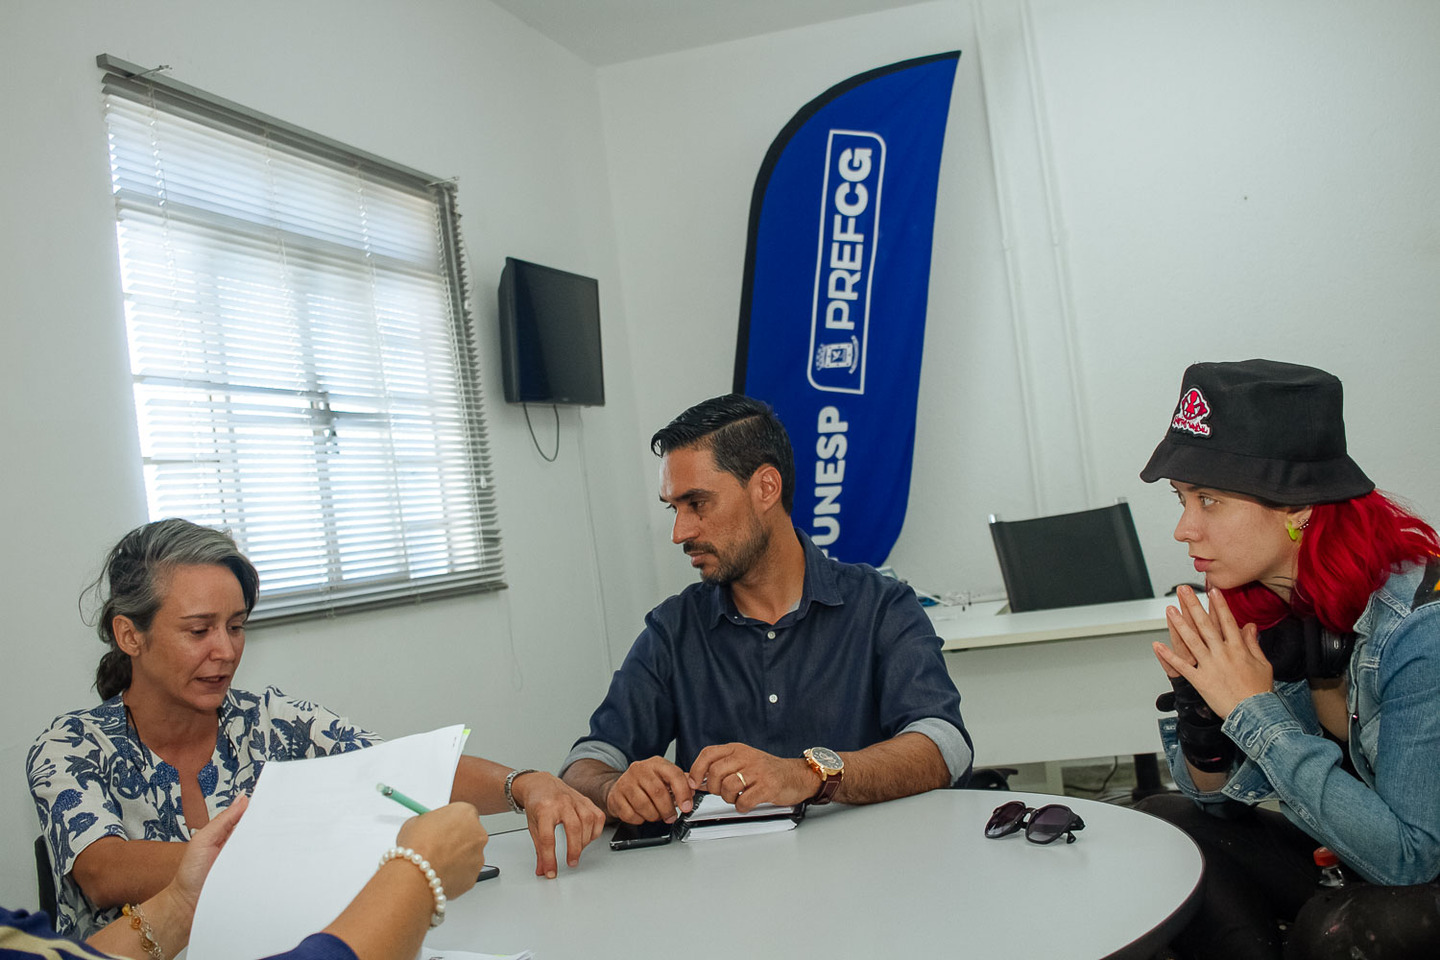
[(303, 360)]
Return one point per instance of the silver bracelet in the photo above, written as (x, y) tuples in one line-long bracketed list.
[(405, 853), (510, 789)]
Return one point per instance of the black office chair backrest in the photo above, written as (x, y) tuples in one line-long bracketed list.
[(1071, 559), (45, 879)]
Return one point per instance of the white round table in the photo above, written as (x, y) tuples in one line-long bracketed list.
[(910, 878)]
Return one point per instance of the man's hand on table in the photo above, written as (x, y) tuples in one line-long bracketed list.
[(653, 789), (747, 777)]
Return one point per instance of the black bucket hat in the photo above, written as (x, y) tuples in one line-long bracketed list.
[(1271, 430)]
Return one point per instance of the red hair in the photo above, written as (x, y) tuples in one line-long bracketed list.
[(1347, 551)]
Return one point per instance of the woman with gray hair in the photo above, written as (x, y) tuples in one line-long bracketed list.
[(132, 584), (173, 743)]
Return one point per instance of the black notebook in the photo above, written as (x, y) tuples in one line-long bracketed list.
[(713, 819)]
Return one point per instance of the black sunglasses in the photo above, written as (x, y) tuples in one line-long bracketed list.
[(1042, 825)]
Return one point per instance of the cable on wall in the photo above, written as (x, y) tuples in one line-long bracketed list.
[(536, 440), (595, 556)]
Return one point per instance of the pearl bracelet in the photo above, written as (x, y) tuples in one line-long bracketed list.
[(436, 888)]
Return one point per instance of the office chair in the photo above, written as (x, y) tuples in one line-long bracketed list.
[(45, 879), (1071, 559), (990, 778)]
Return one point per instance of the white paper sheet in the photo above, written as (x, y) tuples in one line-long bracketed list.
[(712, 807), (312, 837)]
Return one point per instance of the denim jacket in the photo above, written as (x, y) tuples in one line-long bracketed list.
[(1386, 825)]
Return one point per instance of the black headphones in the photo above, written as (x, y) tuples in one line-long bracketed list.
[(1301, 649)]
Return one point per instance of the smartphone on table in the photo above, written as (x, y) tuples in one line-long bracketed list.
[(653, 833)]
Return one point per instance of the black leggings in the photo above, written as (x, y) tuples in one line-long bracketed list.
[(1259, 870)]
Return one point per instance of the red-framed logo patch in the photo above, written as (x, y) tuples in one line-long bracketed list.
[(1190, 417)]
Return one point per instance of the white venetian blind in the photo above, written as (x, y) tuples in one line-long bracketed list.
[(304, 370)]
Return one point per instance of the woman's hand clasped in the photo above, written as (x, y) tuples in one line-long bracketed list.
[(1220, 658)]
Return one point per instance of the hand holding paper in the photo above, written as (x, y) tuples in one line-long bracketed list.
[(310, 841)]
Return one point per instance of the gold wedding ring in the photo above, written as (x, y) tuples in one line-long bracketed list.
[(743, 784)]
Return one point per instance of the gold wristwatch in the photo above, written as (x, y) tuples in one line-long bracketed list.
[(831, 768)]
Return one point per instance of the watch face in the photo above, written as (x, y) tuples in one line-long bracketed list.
[(827, 758)]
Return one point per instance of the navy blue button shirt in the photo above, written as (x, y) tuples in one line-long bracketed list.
[(856, 663)]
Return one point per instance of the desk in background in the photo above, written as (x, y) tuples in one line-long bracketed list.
[(1058, 684), (909, 878)]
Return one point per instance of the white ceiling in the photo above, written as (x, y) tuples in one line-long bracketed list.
[(613, 31)]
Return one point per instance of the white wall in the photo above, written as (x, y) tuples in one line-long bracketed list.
[(451, 87), (1128, 187)]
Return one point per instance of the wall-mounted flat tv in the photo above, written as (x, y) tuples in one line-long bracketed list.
[(550, 335)]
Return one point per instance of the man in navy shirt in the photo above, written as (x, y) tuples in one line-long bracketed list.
[(783, 676)]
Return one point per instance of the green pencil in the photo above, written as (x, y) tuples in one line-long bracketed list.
[(400, 798)]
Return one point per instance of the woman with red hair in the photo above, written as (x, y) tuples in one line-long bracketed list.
[(1312, 679)]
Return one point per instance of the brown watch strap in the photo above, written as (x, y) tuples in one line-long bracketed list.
[(827, 789)]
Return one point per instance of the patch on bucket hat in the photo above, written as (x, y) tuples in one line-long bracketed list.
[(1191, 414)]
